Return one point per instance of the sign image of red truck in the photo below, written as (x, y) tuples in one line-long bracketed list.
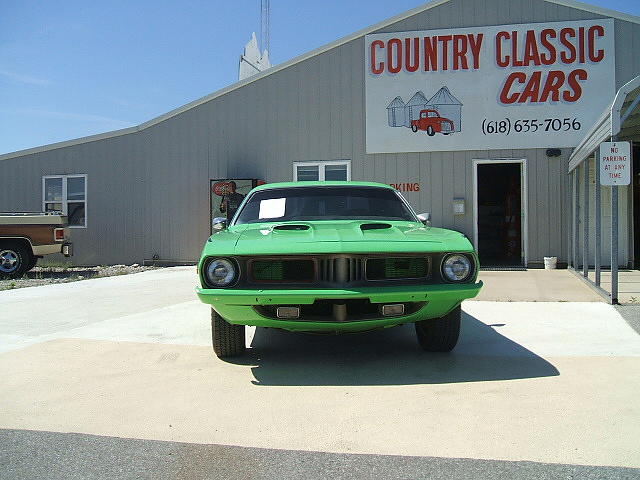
[(431, 122)]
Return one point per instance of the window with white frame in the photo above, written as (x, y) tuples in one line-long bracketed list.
[(314, 171), (66, 194)]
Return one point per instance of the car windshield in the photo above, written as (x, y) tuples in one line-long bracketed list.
[(324, 203)]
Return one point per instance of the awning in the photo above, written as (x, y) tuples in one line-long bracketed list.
[(621, 119)]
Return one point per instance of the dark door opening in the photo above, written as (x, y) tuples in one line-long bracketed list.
[(499, 214)]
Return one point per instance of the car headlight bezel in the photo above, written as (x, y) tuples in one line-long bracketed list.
[(229, 279), (447, 267)]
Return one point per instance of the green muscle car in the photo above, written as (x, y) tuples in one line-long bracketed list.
[(334, 257)]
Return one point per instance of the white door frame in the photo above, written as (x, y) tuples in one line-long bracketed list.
[(524, 248)]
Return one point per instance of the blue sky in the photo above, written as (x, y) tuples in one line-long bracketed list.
[(74, 68)]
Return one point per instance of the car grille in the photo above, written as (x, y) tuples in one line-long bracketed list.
[(282, 270), (397, 268), (338, 270)]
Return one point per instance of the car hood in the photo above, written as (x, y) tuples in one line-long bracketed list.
[(323, 237)]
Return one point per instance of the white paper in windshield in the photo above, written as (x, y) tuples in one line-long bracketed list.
[(272, 208)]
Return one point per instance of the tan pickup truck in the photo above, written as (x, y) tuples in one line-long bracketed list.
[(25, 237)]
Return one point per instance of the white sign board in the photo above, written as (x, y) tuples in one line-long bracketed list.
[(615, 163), (500, 87)]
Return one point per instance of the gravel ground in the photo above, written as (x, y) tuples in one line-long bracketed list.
[(48, 275), (631, 313)]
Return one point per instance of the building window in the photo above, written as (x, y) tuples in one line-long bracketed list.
[(66, 194), (321, 171)]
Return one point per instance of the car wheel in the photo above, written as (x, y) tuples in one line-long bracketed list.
[(228, 340), (430, 131), (446, 133), (414, 129), (14, 260), (440, 334)]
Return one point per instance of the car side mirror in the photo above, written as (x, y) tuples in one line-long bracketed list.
[(425, 218), (219, 223)]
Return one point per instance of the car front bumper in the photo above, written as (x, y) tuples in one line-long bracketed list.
[(237, 306)]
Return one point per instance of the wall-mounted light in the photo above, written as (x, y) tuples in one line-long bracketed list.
[(554, 152)]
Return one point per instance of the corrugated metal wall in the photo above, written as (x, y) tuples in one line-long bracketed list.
[(148, 191)]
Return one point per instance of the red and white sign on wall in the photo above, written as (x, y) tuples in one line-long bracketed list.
[(615, 163), (510, 86)]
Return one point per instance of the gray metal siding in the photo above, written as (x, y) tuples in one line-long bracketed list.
[(148, 192)]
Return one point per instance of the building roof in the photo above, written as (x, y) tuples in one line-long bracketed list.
[(396, 103), (620, 119), (360, 33), (417, 99), (444, 97)]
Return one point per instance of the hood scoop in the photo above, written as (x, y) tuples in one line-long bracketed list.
[(374, 226), (294, 226)]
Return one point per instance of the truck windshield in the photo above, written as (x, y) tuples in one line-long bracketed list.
[(324, 203)]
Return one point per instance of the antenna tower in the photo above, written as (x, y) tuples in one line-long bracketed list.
[(265, 10)]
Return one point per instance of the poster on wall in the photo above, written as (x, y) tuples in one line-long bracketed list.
[(500, 87), (227, 194)]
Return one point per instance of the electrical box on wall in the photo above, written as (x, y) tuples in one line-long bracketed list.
[(458, 206)]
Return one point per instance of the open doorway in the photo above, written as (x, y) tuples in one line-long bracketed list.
[(500, 213)]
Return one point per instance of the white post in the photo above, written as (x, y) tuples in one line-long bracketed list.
[(585, 223), (598, 212)]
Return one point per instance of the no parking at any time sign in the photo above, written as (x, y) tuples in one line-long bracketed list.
[(615, 163)]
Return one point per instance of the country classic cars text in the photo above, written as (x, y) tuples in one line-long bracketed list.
[(510, 49), (487, 87)]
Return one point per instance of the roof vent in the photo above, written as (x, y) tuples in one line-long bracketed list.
[(374, 226), (293, 226)]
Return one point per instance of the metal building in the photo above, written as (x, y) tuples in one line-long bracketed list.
[(145, 192)]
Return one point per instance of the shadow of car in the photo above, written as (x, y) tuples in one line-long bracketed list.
[(388, 357)]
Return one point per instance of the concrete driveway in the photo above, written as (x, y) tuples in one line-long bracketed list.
[(130, 357)]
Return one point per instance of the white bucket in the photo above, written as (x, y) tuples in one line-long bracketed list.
[(550, 263)]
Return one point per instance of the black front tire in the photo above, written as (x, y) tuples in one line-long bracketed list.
[(440, 334), (14, 260), (228, 340), (430, 131)]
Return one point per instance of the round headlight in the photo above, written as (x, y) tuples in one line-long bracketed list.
[(220, 272), (456, 268)]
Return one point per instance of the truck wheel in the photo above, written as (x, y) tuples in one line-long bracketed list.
[(414, 128), (32, 263), (430, 131), (440, 334), (14, 260), (228, 340)]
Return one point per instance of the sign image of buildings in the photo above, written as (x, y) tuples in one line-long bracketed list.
[(448, 106), (401, 114)]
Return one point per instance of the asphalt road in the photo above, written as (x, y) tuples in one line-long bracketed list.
[(115, 378), (47, 455)]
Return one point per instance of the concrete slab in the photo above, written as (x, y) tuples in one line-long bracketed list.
[(546, 382), (332, 399), (535, 286), (628, 285)]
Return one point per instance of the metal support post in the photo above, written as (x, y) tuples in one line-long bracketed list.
[(570, 232), (614, 244), (585, 221), (598, 213), (576, 217)]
